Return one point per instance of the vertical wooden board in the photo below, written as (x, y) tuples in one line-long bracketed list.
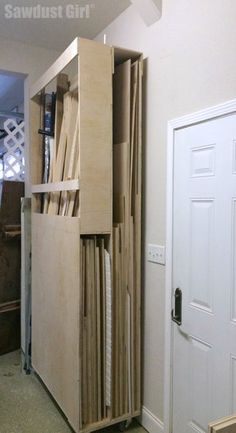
[(95, 136), (114, 315), (62, 88), (93, 326), (121, 103), (134, 84), (120, 182), (108, 327), (121, 294), (89, 331), (99, 341), (71, 132), (36, 151), (132, 292), (138, 239), (81, 334), (103, 293), (84, 347), (59, 166), (116, 274), (55, 308)]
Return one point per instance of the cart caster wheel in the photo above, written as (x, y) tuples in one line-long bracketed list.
[(124, 425)]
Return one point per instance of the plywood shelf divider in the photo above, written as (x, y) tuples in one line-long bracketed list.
[(66, 185)]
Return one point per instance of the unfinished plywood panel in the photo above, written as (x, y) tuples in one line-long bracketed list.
[(55, 308), (121, 103), (95, 137)]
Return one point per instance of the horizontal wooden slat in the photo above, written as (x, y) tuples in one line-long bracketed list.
[(65, 58), (67, 185)]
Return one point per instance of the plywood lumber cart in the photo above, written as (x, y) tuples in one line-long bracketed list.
[(86, 168)]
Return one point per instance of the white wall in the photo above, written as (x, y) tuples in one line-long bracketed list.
[(26, 59), (31, 61), (191, 65)]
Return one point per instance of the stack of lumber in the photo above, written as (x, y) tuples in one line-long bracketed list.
[(64, 160), (127, 162), (95, 295)]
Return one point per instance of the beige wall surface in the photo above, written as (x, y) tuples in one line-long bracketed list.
[(191, 65), (31, 61), (26, 59)]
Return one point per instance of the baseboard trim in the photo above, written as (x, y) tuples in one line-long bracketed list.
[(150, 422)]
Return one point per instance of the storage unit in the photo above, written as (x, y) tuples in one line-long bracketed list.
[(86, 236)]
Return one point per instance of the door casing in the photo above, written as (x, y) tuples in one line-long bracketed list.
[(204, 115)]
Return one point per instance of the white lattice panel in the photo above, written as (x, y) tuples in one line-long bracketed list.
[(14, 161)]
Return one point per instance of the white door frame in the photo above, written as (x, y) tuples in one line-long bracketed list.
[(220, 110)]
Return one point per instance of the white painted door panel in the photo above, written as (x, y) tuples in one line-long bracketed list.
[(204, 268)]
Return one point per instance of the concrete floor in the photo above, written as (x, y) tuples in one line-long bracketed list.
[(25, 406)]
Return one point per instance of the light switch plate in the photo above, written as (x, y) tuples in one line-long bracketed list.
[(157, 254)]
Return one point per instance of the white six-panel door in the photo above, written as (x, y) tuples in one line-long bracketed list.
[(204, 268)]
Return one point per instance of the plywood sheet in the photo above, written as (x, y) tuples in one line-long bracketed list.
[(95, 136), (122, 103), (55, 308)]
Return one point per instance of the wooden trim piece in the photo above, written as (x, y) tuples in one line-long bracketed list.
[(67, 185), (225, 425), (65, 58)]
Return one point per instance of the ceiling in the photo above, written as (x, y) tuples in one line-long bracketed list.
[(58, 33)]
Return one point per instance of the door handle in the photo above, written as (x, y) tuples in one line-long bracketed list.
[(176, 314)]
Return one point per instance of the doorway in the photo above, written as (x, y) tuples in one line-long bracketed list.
[(201, 342), (12, 176)]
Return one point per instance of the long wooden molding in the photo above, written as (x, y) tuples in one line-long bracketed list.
[(67, 185)]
